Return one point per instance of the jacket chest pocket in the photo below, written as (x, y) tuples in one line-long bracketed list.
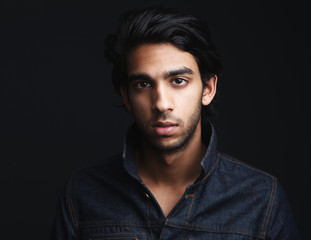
[(118, 236)]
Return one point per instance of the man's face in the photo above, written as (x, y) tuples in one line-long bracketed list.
[(165, 95)]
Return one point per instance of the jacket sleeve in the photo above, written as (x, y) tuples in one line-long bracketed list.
[(65, 224), (281, 224)]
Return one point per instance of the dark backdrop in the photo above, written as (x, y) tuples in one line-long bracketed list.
[(60, 112)]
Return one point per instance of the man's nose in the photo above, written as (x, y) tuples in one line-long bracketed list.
[(162, 99)]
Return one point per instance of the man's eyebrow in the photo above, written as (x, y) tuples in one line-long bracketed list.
[(180, 71), (138, 76)]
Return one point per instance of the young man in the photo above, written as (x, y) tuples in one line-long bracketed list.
[(170, 182)]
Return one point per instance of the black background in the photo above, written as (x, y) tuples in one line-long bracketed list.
[(60, 112)]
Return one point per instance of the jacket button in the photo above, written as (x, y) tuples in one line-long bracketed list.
[(147, 195)]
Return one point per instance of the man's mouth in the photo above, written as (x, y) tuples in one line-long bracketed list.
[(164, 124), (164, 128)]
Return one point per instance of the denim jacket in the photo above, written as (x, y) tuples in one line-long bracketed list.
[(231, 200)]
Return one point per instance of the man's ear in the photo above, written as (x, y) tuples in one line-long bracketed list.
[(125, 98), (209, 90)]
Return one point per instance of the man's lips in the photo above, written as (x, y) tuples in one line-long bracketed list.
[(164, 128), (164, 124)]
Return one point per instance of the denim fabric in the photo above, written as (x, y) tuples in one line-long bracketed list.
[(231, 200)]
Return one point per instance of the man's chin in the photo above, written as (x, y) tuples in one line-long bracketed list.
[(166, 145)]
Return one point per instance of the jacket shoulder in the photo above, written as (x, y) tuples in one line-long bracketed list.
[(242, 169)]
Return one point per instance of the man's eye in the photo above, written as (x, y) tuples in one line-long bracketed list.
[(179, 81), (143, 84)]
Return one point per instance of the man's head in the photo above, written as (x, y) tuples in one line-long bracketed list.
[(163, 25), (166, 69)]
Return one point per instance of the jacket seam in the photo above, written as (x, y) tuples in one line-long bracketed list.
[(230, 159), (190, 210), (220, 229), (120, 223), (71, 205), (212, 169), (269, 207), (197, 226), (111, 234)]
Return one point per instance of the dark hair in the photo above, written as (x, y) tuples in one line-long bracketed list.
[(159, 24)]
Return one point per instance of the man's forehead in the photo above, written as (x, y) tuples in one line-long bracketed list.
[(162, 58)]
